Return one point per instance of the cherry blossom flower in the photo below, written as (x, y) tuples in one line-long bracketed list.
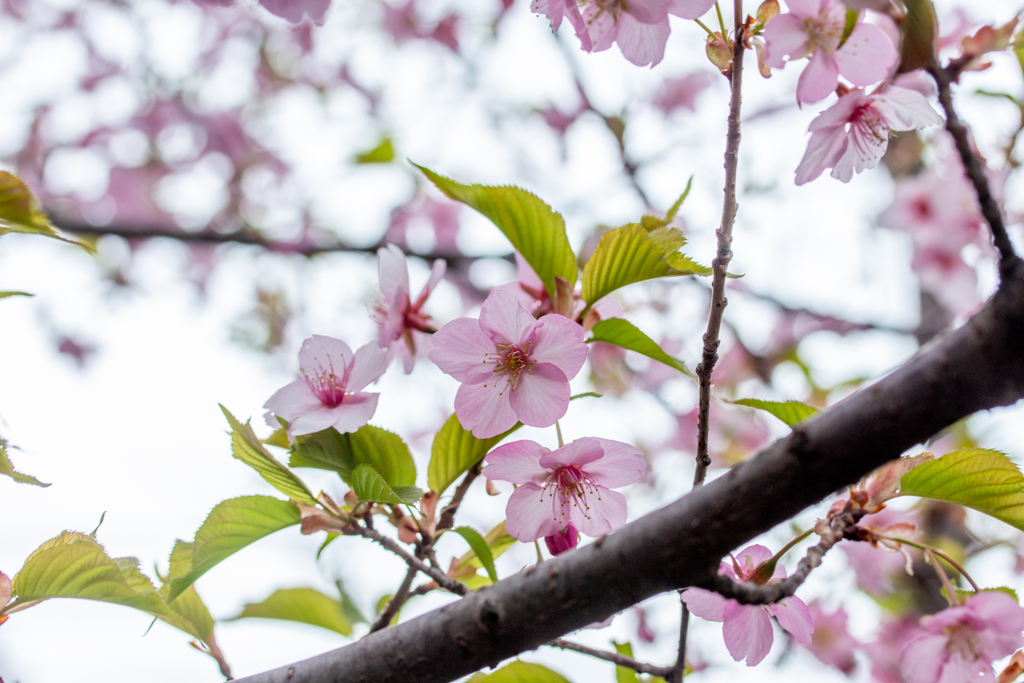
[(568, 488), (852, 135), (512, 367), (961, 642), (556, 9), (329, 392), (563, 540), (814, 29), (640, 27), (402, 324), (831, 643), (885, 652), (681, 93), (5, 594), (748, 628)]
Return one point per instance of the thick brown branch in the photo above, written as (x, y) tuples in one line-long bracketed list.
[(972, 166), (442, 579), (614, 657), (720, 264)]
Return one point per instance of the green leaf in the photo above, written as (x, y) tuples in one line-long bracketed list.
[(454, 451), (4, 295), (383, 153), (189, 606), (304, 605), (368, 486), (622, 674), (20, 212), (498, 541), (480, 548), (250, 450), (232, 525), (73, 565), (520, 672), (632, 254), (342, 453), (790, 412), (534, 229), (621, 332), (7, 467), (978, 478)]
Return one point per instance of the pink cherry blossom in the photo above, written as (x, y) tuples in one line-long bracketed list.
[(814, 29), (568, 488), (329, 392), (852, 135), (831, 643), (961, 642), (556, 9), (640, 27), (402, 324), (885, 652), (748, 628), (512, 367), (563, 540)]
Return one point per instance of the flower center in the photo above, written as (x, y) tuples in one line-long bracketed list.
[(962, 641), (327, 385), (572, 486), (868, 120), (511, 360)]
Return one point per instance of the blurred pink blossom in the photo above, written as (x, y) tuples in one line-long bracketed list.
[(403, 327), (329, 392), (885, 651), (748, 628), (640, 27), (404, 23), (568, 488), (512, 367), (681, 93), (530, 292), (443, 217), (554, 10), (814, 29), (831, 643), (852, 135)]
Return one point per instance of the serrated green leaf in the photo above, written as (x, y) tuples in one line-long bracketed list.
[(20, 212), (250, 450), (978, 478), (480, 548), (189, 606), (369, 486), (520, 672), (622, 333), (342, 453), (7, 468), (232, 525), (383, 153), (534, 229), (4, 295), (790, 412), (73, 565), (633, 254), (303, 605), (454, 451)]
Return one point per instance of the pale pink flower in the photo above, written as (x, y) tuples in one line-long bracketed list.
[(681, 93), (512, 367), (564, 540), (5, 594), (329, 392), (831, 643), (295, 10), (960, 643), (556, 9), (853, 134), (748, 628), (402, 324), (885, 652), (568, 488), (640, 27), (814, 29)]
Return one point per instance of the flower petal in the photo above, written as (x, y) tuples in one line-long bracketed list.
[(355, 412), (321, 355), (824, 149), (368, 364), (541, 396), (819, 79), (530, 514), (504, 320), (794, 616), (689, 9), (292, 400), (923, 658), (320, 418), (461, 350), (600, 513), (642, 43), (866, 56), (437, 271), (393, 271), (748, 632), (705, 604), (621, 465), (559, 341), (579, 452), (784, 36), (757, 553), (484, 409), (517, 462)]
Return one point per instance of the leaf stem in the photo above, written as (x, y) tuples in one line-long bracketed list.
[(703, 26), (558, 429), (950, 591), (931, 549), (614, 657), (721, 21)]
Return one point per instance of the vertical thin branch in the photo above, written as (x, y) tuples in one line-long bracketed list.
[(447, 519), (679, 670), (396, 602), (972, 166), (721, 262)]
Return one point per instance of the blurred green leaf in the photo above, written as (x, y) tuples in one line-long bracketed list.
[(454, 451), (383, 153), (232, 525), (342, 453), (7, 468), (622, 333), (534, 229), (250, 450), (369, 486), (303, 605), (4, 295), (919, 30), (20, 212), (520, 672), (790, 412), (978, 478)]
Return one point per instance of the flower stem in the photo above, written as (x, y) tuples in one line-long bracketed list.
[(950, 591), (558, 429), (953, 563), (703, 26), (721, 21), (540, 558)]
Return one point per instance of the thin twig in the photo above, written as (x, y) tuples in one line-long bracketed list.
[(679, 670), (721, 262), (447, 519), (442, 579), (396, 601), (752, 594), (614, 657), (972, 165)]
